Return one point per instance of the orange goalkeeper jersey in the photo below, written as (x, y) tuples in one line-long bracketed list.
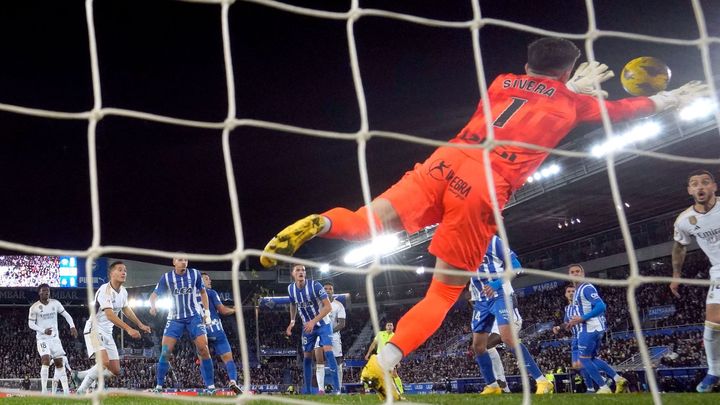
[(539, 111)]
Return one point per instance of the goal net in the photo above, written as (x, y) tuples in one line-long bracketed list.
[(297, 100)]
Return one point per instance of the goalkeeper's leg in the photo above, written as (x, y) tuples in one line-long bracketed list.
[(337, 223)]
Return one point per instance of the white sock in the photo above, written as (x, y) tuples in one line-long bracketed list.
[(389, 357), (498, 368), (320, 375), (54, 385), (61, 375), (90, 377), (340, 376), (711, 338), (44, 371)]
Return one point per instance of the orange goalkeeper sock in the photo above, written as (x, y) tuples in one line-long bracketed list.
[(348, 225), (422, 320)]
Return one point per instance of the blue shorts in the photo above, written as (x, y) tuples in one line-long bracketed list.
[(324, 333), (219, 341), (589, 343), (194, 325), (485, 313), (575, 354)]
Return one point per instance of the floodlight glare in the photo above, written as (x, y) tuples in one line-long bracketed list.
[(698, 109), (381, 245)]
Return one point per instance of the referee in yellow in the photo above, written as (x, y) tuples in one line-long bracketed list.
[(379, 342)]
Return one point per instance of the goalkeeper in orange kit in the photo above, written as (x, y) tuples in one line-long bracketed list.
[(450, 187)]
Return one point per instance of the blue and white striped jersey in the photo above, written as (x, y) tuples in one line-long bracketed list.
[(493, 263), (586, 295), (214, 301), (308, 299), (183, 290), (571, 311)]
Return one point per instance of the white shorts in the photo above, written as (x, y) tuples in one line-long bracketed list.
[(106, 342), (50, 347), (336, 344), (517, 324), (713, 296)]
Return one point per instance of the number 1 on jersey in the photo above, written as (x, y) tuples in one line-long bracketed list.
[(514, 106)]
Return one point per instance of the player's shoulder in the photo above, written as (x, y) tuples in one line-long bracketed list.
[(35, 305), (688, 212)]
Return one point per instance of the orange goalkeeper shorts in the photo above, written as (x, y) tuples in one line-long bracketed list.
[(450, 188)]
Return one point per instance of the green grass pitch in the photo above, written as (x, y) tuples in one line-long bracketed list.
[(447, 399)]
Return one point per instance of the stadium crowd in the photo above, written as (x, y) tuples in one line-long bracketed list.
[(444, 356)]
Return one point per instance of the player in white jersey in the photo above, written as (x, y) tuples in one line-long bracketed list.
[(43, 320), (589, 320), (489, 307), (110, 299), (702, 222), (337, 322), (308, 298), (56, 378)]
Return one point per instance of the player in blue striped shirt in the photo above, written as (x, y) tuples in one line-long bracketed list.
[(570, 312), (308, 297), (216, 333), (488, 307), (183, 285), (590, 321)]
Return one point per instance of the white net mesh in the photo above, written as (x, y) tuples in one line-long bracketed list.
[(353, 18)]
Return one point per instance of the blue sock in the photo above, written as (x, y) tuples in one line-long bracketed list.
[(532, 367), (209, 374), (231, 370), (586, 378), (307, 375), (602, 366), (485, 363), (332, 365), (162, 368), (592, 371), (710, 380)]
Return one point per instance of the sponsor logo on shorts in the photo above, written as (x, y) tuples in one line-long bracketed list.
[(438, 170), (441, 171)]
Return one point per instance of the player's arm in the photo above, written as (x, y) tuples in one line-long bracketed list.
[(373, 344), (120, 323), (32, 324), (206, 304), (340, 318), (678, 259), (133, 317), (160, 288), (597, 307), (324, 311), (214, 301), (69, 320), (293, 314)]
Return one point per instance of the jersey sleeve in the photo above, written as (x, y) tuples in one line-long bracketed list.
[(320, 291), (32, 314), (588, 109), (591, 294), (290, 296), (341, 311), (681, 235), (199, 284), (214, 298), (104, 300), (160, 287)]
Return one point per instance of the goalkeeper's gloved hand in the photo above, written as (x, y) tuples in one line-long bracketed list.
[(681, 96), (586, 76)]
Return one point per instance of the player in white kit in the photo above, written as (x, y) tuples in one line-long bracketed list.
[(43, 320), (337, 322), (702, 222), (110, 299)]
